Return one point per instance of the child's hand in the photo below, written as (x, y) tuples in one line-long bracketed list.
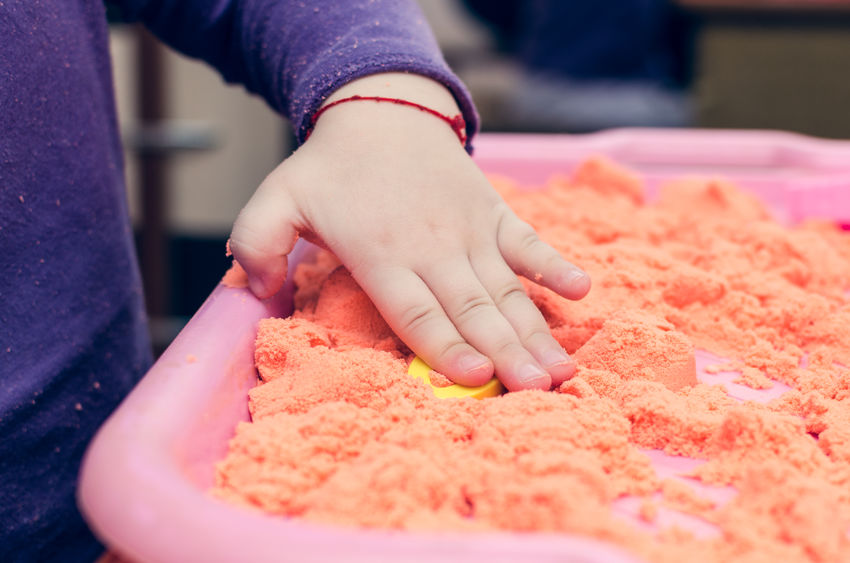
[(391, 191)]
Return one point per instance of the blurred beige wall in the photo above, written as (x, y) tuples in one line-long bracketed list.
[(455, 28), (122, 50), (469, 47), (207, 188)]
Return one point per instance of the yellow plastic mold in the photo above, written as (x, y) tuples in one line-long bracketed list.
[(421, 370)]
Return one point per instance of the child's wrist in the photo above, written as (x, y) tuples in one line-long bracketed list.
[(371, 122), (455, 122), (414, 88)]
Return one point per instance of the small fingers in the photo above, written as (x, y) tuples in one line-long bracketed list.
[(477, 318), (262, 237), (528, 323), (417, 318), (529, 256)]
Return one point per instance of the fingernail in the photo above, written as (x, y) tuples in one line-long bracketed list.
[(257, 287), (470, 363), (576, 284), (532, 377), (577, 276), (556, 357), (559, 365)]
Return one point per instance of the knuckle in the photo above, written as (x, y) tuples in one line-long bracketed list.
[(471, 305), (508, 347), (539, 335), (415, 317), (539, 252), (528, 239), (245, 240), (450, 348), (509, 291)]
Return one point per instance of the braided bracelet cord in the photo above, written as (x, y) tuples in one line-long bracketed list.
[(457, 122)]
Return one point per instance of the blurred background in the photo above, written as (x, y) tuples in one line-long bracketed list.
[(196, 148)]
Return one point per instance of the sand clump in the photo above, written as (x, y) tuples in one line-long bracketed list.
[(341, 435)]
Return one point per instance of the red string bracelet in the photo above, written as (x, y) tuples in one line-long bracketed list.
[(457, 122)]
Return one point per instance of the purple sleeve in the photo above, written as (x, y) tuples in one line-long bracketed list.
[(295, 53)]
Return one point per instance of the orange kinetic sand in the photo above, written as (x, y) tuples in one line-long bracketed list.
[(340, 434)]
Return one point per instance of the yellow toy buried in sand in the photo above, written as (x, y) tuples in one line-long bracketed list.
[(421, 370)]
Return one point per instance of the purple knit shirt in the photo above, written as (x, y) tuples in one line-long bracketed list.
[(73, 339)]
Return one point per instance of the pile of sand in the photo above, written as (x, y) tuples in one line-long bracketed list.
[(341, 435)]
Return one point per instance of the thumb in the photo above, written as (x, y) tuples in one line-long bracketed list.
[(263, 235)]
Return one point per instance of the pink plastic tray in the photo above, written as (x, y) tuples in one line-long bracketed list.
[(144, 477), (797, 176)]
